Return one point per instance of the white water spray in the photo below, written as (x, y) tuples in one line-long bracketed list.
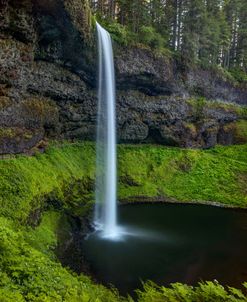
[(106, 208)]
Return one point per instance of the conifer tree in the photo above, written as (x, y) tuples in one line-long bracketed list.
[(211, 32)]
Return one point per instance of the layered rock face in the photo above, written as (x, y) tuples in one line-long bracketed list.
[(48, 67)]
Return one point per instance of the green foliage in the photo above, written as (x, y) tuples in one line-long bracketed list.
[(211, 33), (119, 33), (219, 71), (239, 75), (124, 36), (30, 275), (44, 237), (148, 36), (204, 291)]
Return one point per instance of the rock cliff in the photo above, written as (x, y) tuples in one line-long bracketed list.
[(48, 66)]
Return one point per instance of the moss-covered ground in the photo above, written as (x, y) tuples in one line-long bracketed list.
[(26, 182), (214, 175), (61, 180), (66, 173)]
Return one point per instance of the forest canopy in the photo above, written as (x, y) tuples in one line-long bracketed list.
[(209, 32)]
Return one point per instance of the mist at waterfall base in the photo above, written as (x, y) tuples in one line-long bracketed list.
[(179, 243)]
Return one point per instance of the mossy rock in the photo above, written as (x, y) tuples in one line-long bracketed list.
[(199, 105), (42, 110), (80, 13), (24, 124), (16, 140), (241, 131), (5, 102)]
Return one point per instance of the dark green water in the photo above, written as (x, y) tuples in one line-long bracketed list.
[(172, 243)]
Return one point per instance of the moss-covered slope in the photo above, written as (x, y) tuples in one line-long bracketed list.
[(186, 175), (62, 173), (60, 181), (65, 174)]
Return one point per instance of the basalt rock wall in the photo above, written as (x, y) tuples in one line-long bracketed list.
[(48, 80)]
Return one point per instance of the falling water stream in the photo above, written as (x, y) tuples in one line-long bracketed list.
[(105, 209)]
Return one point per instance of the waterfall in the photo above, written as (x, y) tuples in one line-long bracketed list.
[(105, 207)]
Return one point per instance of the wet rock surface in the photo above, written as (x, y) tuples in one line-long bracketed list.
[(48, 66)]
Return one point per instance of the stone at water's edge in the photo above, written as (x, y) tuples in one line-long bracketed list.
[(46, 61)]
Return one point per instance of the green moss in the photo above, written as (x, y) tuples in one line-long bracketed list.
[(26, 181), (40, 109), (7, 132), (16, 133), (4, 101), (80, 13), (198, 104), (65, 173), (241, 131), (240, 110), (191, 127), (184, 175)]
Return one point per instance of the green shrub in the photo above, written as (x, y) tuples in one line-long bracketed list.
[(203, 292), (26, 274), (150, 37), (239, 75), (119, 32)]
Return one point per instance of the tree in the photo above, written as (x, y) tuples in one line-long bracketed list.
[(232, 11), (194, 28), (241, 52), (211, 32)]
